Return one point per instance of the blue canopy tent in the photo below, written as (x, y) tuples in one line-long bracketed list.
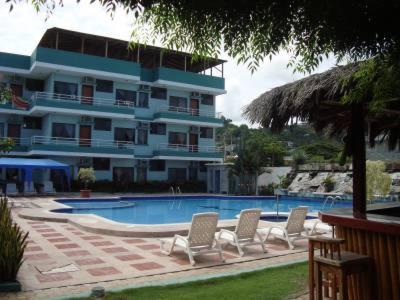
[(29, 164)]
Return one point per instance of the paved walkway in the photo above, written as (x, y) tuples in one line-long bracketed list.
[(61, 260)]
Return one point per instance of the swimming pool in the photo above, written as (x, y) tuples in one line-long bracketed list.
[(168, 209)]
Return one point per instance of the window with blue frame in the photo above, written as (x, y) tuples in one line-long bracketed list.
[(63, 130), (158, 93), (158, 128), (125, 97), (175, 101), (65, 90), (32, 122), (207, 99), (104, 86), (206, 132), (103, 124), (177, 138)]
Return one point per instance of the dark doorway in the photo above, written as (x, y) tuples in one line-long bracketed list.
[(87, 94), (14, 131), (85, 135)]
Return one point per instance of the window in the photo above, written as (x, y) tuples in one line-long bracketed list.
[(202, 167), (177, 174), (102, 124), (32, 123), (142, 137), (178, 102), (123, 175), (157, 165), (177, 138), (158, 128), (158, 93), (206, 132), (193, 173), (143, 99), (66, 88), (63, 130), (34, 85), (124, 134), (1, 130), (105, 86), (141, 174), (207, 99), (125, 97), (101, 163)]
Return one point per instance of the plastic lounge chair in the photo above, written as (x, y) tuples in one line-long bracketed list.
[(245, 232), (315, 227), (201, 238), (292, 230)]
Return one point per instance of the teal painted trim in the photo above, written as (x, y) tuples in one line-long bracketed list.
[(17, 61), (78, 106), (191, 78), (188, 154), (73, 148), (181, 116), (78, 60), (148, 75)]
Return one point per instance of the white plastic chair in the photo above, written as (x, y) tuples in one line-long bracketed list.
[(292, 230), (245, 231), (201, 238), (315, 227)]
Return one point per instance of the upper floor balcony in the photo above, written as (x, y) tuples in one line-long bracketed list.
[(188, 152), (184, 115)]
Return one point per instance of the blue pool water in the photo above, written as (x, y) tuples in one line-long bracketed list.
[(166, 209)]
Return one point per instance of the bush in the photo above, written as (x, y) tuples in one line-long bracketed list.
[(329, 183), (299, 157), (266, 190), (86, 175), (12, 244)]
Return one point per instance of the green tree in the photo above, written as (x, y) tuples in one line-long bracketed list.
[(378, 181)]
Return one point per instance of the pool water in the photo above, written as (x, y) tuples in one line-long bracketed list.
[(180, 209)]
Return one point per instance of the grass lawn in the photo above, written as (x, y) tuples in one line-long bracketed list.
[(272, 283)]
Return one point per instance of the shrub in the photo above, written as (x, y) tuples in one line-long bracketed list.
[(329, 183), (266, 190), (299, 157), (378, 181), (12, 244), (86, 175)]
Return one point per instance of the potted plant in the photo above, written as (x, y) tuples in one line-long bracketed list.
[(86, 175), (328, 183), (12, 247)]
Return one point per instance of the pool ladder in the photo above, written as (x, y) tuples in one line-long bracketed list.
[(332, 201), (174, 202)]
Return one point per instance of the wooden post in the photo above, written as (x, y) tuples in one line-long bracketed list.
[(222, 70), (138, 54), (57, 40), (106, 50), (185, 64), (82, 45), (359, 164)]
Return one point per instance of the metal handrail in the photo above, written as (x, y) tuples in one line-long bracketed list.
[(35, 140), (189, 148), (82, 99), (190, 111)]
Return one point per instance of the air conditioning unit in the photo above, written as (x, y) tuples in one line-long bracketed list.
[(16, 79), (143, 125), (195, 95), (85, 161), (88, 80), (194, 129), (87, 119), (144, 88), (142, 164)]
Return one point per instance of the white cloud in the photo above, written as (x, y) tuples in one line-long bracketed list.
[(21, 30)]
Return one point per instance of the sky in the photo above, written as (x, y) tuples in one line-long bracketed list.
[(22, 28)]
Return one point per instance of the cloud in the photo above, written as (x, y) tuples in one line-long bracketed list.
[(21, 30)]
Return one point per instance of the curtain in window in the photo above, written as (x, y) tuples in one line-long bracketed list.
[(180, 102)]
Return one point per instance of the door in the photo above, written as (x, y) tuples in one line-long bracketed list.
[(194, 107), (17, 89), (85, 135), (14, 131), (193, 142), (217, 181), (87, 94)]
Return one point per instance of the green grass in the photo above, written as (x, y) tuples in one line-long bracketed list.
[(271, 283)]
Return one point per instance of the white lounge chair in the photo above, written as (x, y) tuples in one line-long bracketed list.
[(315, 227), (245, 231), (201, 238), (292, 230)]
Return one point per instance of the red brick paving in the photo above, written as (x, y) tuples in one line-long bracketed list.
[(129, 257), (102, 243), (53, 277), (91, 237), (37, 256), (114, 250), (59, 240), (147, 266), (148, 246), (46, 235), (46, 230), (157, 253), (38, 226), (67, 246), (134, 241), (89, 261), (77, 253), (181, 262), (33, 248), (103, 271)]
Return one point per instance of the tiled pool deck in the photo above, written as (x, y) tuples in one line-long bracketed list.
[(87, 260)]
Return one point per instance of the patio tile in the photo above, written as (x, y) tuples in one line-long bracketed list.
[(46, 235), (114, 250), (147, 266), (39, 226), (158, 253), (59, 240), (102, 243), (148, 246), (37, 256), (67, 246), (35, 222), (33, 248), (103, 271), (134, 241), (89, 261), (53, 277), (78, 232), (77, 253), (181, 262), (129, 257), (46, 230), (91, 237)]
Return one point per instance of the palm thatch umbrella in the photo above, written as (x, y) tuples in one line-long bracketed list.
[(318, 100)]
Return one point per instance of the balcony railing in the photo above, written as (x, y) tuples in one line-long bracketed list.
[(189, 148), (45, 140), (81, 100), (190, 111)]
